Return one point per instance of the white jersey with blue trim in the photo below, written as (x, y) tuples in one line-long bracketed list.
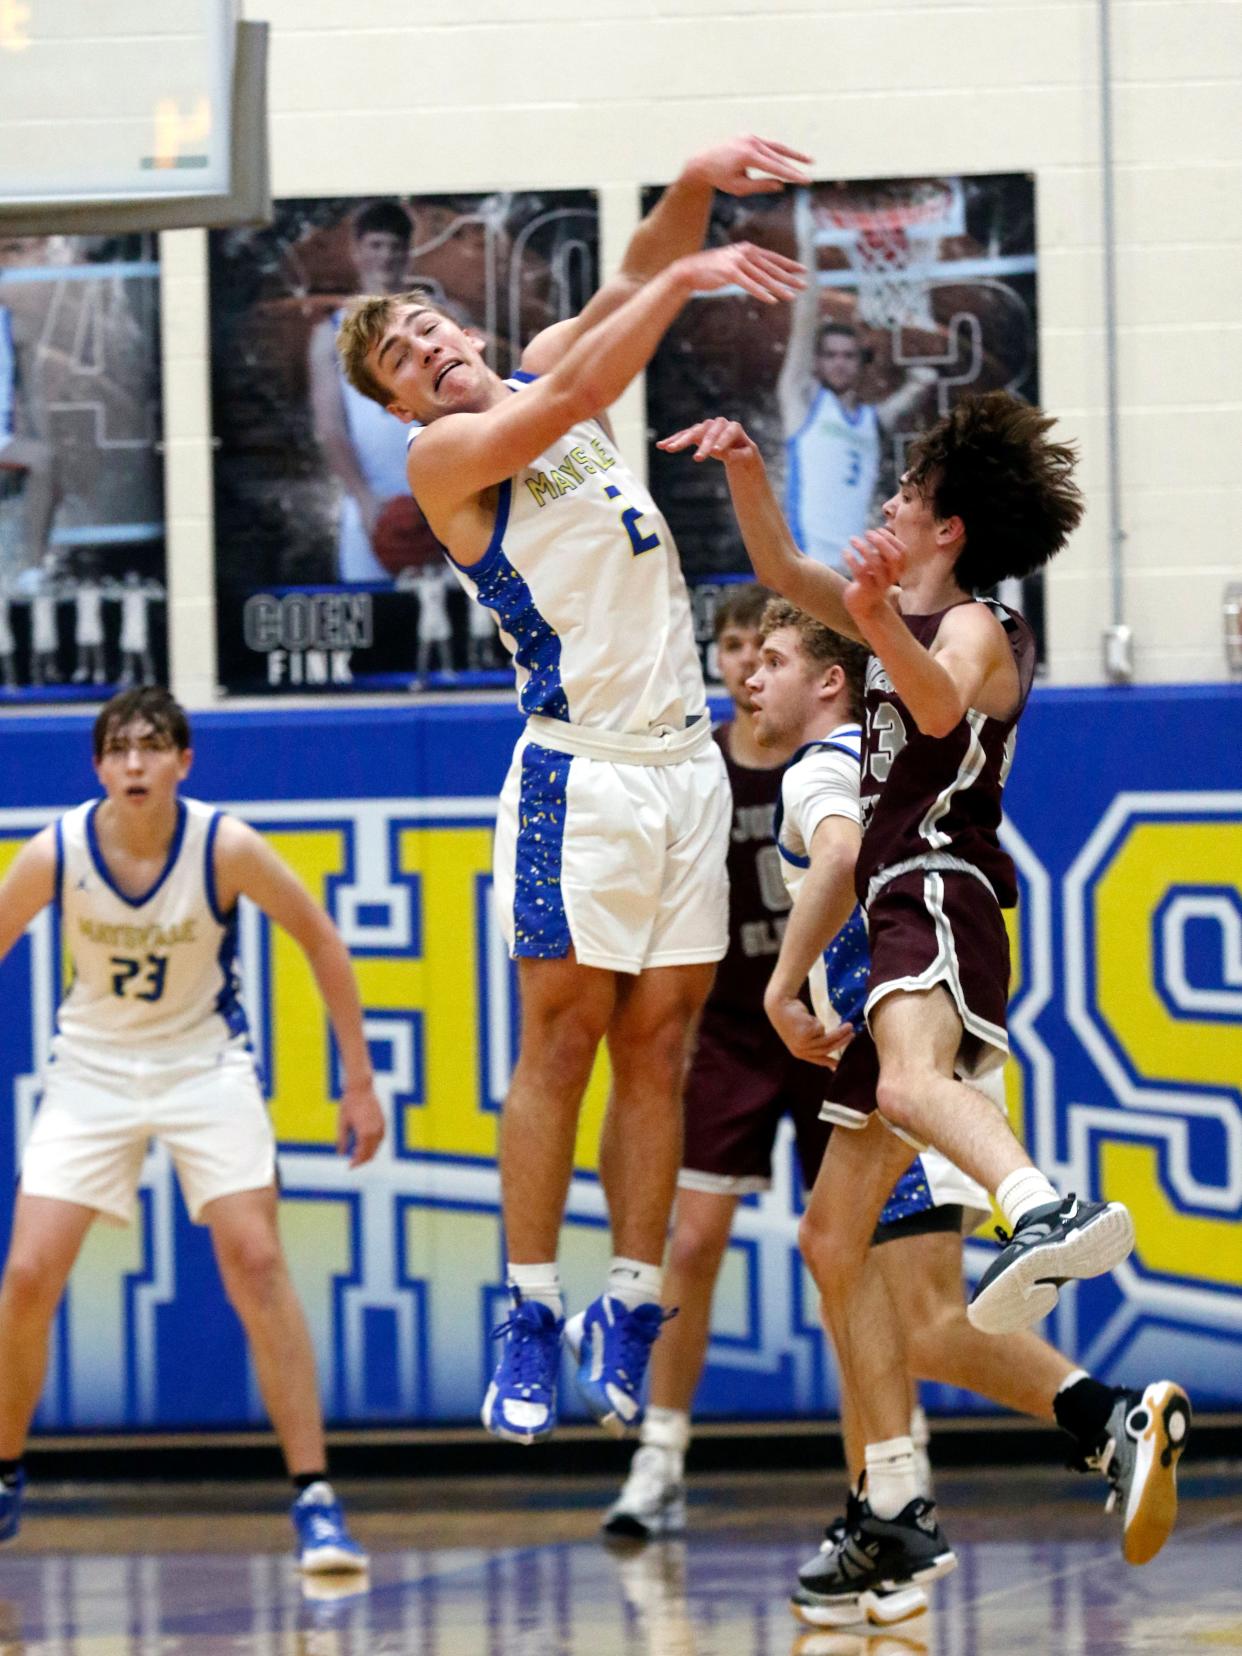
[(8, 376), (832, 467), (583, 577), (153, 976), (820, 781)]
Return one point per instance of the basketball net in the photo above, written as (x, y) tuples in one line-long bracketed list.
[(891, 243)]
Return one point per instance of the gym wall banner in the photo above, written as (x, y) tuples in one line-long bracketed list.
[(327, 577), (81, 476), (925, 291)]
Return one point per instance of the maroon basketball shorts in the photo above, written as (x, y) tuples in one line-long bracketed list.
[(741, 1081), (932, 927)]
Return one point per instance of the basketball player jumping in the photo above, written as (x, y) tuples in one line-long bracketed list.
[(987, 495), (613, 822), (151, 1042)]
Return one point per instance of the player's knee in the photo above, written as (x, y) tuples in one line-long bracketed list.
[(825, 1254), (695, 1252), (29, 1288), (896, 1097), (253, 1268)]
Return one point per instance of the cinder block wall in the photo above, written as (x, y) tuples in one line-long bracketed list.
[(380, 96)]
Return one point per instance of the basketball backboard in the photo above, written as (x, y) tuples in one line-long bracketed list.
[(143, 114)]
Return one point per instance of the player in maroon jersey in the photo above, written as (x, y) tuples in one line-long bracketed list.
[(987, 496)]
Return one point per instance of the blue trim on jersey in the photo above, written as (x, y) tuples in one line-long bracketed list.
[(501, 589), (792, 857), (8, 374), (910, 1195), (521, 375), (540, 924), (228, 1001), (209, 870), (101, 867), (59, 888), (793, 493)]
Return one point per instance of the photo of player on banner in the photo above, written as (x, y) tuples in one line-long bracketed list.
[(925, 290), (328, 577), (81, 474)]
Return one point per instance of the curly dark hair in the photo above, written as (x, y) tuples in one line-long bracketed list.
[(821, 645), (990, 463)]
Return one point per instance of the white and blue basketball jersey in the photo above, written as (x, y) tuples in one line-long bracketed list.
[(821, 780), (584, 579), (832, 465), (153, 976), (8, 376)]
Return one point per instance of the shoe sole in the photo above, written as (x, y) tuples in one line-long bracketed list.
[(1023, 1294), (877, 1610), (626, 1526), (1152, 1508), (333, 1561)]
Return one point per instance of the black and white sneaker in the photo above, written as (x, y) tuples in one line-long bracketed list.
[(1051, 1245), (1147, 1432), (876, 1573)]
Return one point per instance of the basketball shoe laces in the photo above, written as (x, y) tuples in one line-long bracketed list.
[(528, 1358), (636, 1333)]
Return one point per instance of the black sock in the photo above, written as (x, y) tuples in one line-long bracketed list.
[(1082, 1410), (303, 1480), (9, 1471)]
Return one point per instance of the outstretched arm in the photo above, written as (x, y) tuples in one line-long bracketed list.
[(459, 456), (29, 885), (246, 866), (771, 548), (674, 228), (824, 902), (795, 383)]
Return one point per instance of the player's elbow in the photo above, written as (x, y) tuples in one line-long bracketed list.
[(940, 719)]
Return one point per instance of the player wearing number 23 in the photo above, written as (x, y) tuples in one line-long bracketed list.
[(151, 1043)]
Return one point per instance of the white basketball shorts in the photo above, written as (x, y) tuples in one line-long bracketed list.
[(625, 862), (92, 1128)]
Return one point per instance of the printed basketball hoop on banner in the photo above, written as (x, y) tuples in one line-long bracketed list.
[(890, 232)]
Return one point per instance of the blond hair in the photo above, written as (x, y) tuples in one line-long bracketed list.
[(820, 645), (363, 325)]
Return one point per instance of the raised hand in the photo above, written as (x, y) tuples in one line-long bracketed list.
[(729, 166), (714, 439), (759, 271), (876, 561)]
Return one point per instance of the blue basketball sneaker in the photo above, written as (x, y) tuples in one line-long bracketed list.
[(612, 1346), (521, 1401), (325, 1546), (11, 1506)]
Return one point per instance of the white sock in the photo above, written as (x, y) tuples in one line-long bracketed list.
[(538, 1282), (1072, 1379), (892, 1482), (1022, 1191), (920, 1437), (633, 1282), (667, 1429)]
